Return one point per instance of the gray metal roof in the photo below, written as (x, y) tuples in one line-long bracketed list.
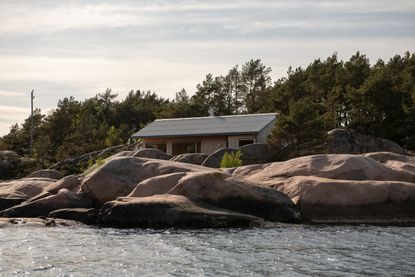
[(206, 126)]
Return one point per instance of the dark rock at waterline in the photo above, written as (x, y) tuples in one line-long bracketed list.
[(47, 173), (151, 153), (191, 158), (84, 215), (43, 222), (166, 211), (43, 206), (6, 203)]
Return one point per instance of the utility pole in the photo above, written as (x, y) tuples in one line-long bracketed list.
[(31, 126)]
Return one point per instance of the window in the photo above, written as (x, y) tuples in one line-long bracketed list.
[(243, 142), (185, 147), (159, 146)]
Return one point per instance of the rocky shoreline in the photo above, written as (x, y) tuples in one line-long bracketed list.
[(128, 191)]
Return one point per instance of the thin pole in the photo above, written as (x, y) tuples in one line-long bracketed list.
[(31, 126)]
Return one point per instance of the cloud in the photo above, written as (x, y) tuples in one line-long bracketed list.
[(76, 15), (10, 115), (5, 93), (4, 127), (80, 48), (20, 19)]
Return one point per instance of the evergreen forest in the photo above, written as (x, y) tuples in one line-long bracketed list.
[(375, 99)]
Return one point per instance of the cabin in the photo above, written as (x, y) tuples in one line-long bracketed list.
[(177, 136)]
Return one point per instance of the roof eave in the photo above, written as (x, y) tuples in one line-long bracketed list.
[(195, 135)]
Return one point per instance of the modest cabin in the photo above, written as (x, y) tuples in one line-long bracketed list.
[(206, 134)]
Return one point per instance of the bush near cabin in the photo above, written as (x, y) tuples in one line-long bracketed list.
[(231, 160)]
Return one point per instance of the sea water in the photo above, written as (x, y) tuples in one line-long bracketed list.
[(283, 250)]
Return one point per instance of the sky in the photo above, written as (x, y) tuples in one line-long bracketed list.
[(80, 48)]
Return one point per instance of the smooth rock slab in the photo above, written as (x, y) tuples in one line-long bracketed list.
[(238, 195), (384, 157), (157, 185), (256, 153), (47, 173), (223, 191), (190, 158), (393, 160), (346, 201), (42, 207), (84, 215), (71, 182), (24, 188), (151, 153), (167, 211), (332, 166), (119, 176)]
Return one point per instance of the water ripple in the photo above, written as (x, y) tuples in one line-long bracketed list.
[(284, 250)]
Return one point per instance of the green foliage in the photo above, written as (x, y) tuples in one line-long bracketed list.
[(99, 161), (302, 128), (374, 99), (255, 80), (113, 137), (231, 160), (92, 165)]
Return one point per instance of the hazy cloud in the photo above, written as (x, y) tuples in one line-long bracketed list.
[(5, 93), (80, 48)]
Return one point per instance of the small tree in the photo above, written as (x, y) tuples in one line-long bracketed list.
[(231, 159), (113, 137)]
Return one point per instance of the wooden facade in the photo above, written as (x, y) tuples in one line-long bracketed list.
[(198, 144), (206, 134)]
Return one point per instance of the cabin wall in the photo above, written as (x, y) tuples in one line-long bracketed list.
[(208, 144), (211, 144), (263, 134), (233, 141)]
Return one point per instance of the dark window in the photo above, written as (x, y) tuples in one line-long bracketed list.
[(185, 147), (243, 142), (159, 146)]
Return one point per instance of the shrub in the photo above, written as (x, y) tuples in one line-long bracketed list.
[(231, 159), (93, 164)]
